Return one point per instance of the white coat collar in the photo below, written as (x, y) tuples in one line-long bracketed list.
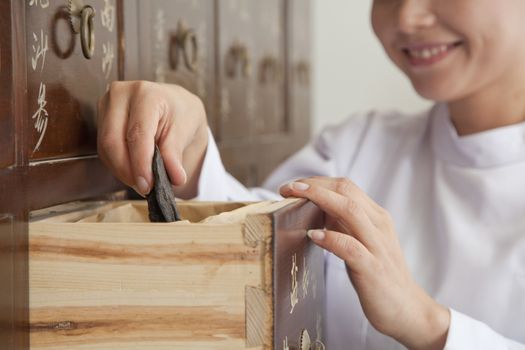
[(487, 149)]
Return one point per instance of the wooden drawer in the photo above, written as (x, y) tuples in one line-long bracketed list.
[(177, 46), (63, 85), (234, 276)]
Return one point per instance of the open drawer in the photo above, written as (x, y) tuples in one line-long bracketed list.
[(233, 276)]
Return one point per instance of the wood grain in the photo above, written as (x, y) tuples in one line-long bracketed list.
[(178, 285)]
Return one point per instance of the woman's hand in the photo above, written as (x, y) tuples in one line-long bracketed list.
[(134, 116), (362, 233)]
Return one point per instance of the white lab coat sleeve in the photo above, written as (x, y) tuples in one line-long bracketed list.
[(321, 157), (216, 184), (467, 333)]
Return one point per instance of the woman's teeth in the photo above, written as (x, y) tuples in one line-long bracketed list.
[(428, 52)]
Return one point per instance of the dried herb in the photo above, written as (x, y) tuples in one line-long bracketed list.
[(161, 200)]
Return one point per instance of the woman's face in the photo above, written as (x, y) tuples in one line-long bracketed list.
[(451, 49)]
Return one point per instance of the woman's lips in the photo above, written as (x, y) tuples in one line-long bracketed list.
[(421, 55)]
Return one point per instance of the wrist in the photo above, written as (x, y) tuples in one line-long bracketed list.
[(428, 328)]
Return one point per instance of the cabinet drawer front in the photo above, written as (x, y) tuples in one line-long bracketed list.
[(251, 64), (177, 46), (63, 85)]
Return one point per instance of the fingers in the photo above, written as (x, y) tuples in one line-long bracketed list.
[(134, 116), (111, 139), (347, 188), (348, 213), (143, 123), (172, 154), (353, 252)]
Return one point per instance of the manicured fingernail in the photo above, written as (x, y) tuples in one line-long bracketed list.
[(316, 235), (299, 186), (142, 185)]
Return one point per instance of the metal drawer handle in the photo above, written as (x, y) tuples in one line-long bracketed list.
[(238, 53), (82, 21), (302, 70), (270, 71), (183, 41)]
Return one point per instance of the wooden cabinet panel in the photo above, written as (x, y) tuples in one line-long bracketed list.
[(251, 62), (239, 161), (7, 134), (271, 150), (268, 29), (177, 46), (6, 276), (299, 69), (13, 260), (63, 85)]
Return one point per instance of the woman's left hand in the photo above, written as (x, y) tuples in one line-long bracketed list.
[(362, 233)]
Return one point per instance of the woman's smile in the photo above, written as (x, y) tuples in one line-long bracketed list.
[(428, 54)]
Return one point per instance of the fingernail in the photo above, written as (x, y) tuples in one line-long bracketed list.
[(299, 186), (142, 185), (316, 235)]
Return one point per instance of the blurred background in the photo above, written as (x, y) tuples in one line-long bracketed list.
[(351, 72)]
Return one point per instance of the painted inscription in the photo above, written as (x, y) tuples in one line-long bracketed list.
[(108, 15), (107, 59), (294, 298), (306, 279), (40, 48), (42, 3), (40, 117)]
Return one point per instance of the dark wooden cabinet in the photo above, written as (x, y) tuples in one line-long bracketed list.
[(177, 46), (251, 82), (63, 86), (248, 60), (251, 64), (7, 134), (263, 111)]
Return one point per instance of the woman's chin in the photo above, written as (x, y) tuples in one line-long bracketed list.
[(434, 92)]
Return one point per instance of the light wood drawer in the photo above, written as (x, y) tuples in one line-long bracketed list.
[(237, 276)]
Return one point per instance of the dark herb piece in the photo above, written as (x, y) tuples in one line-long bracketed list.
[(161, 200)]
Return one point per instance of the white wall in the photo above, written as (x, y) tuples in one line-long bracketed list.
[(350, 70)]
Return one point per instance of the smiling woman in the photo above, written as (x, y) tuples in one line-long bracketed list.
[(481, 65)]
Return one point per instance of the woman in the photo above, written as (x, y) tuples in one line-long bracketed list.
[(428, 236)]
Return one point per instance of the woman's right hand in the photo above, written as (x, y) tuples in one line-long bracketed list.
[(134, 116)]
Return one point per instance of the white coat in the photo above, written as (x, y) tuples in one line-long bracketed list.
[(458, 204)]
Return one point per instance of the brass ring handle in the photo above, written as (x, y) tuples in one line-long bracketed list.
[(302, 71), (238, 53), (87, 31), (269, 70), (82, 21), (180, 41), (173, 53), (191, 37)]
